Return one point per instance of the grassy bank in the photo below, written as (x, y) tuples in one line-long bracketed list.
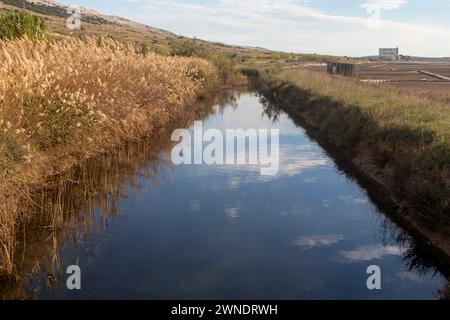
[(62, 102), (402, 140)]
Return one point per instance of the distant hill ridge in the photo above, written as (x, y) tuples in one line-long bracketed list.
[(54, 8)]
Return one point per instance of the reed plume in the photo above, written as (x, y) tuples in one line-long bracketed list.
[(62, 102)]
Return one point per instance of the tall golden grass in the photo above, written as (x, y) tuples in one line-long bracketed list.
[(65, 101)]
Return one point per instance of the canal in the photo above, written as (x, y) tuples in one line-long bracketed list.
[(140, 227)]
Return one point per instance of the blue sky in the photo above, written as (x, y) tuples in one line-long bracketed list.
[(341, 27)]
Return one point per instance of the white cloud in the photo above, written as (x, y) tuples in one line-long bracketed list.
[(309, 242), (384, 4), (369, 253), (233, 212), (290, 25), (293, 160)]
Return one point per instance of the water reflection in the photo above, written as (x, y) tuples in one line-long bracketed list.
[(310, 242), (142, 228), (72, 214), (370, 253), (422, 261)]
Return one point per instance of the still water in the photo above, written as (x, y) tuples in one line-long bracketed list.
[(227, 232)]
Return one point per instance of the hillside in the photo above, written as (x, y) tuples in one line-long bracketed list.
[(97, 24)]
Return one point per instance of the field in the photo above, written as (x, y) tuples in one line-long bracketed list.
[(405, 71), (431, 78)]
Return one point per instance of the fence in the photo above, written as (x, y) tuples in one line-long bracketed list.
[(343, 69)]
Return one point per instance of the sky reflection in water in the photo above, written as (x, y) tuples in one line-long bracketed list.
[(226, 232)]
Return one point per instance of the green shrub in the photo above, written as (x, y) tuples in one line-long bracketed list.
[(11, 151), (147, 49), (193, 48), (15, 24), (187, 48), (224, 64), (62, 122)]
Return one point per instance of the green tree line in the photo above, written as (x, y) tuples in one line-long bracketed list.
[(15, 24)]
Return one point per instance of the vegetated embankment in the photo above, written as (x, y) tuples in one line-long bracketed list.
[(400, 142), (62, 102)]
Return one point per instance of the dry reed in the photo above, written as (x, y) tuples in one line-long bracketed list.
[(65, 101)]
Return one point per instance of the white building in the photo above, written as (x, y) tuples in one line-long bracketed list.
[(389, 53)]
